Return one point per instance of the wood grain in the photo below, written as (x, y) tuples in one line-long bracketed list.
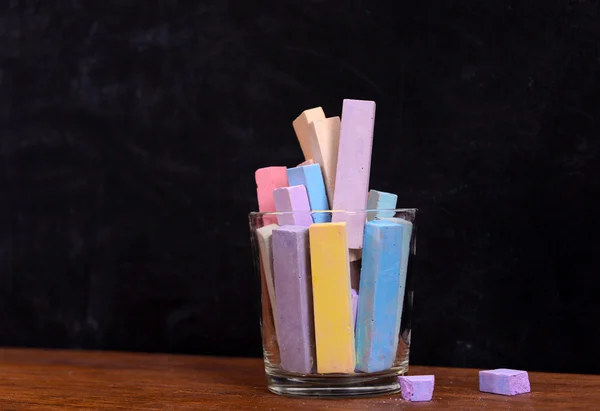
[(52, 380)]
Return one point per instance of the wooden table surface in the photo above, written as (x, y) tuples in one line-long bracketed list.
[(51, 380)]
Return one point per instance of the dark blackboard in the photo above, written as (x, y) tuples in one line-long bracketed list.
[(131, 131)]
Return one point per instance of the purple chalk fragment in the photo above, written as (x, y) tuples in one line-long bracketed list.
[(504, 381), (417, 387), (354, 306), (293, 291)]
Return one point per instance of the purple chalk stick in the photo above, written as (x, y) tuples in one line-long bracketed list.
[(293, 293), (354, 307), (504, 381), (417, 387), (354, 167), (295, 199)]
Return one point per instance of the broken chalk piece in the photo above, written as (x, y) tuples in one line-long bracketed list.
[(267, 180), (265, 248), (380, 200), (354, 167), (300, 125), (293, 288), (311, 178), (354, 307), (504, 381), (377, 325), (306, 163), (417, 387), (294, 199), (332, 301), (324, 144)]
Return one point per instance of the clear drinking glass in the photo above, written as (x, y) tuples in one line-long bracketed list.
[(331, 384)]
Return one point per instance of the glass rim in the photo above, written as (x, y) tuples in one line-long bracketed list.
[(378, 210)]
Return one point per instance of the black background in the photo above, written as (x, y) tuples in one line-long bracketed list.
[(131, 130)]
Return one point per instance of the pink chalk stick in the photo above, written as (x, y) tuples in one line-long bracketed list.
[(354, 167), (354, 307), (295, 199), (267, 180)]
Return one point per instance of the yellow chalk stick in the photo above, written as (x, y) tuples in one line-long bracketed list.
[(324, 143), (300, 125), (332, 300)]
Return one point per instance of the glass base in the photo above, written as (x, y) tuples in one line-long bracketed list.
[(356, 385)]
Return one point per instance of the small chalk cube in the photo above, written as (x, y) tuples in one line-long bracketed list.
[(417, 387), (504, 381)]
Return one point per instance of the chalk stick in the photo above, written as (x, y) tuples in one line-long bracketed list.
[(269, 335), (293, 288), (324, 144), (267, 180), (355, 274), (417, 387), (354, 307), (377, 324), (265, 248), (404, 257), (504, 381), (294, 199), (300, 125), (380, 200), (355, 254), (311, 178), (332, 301), (354, 166), (306, 163)]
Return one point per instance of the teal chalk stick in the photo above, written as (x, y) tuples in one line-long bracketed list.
[(380, 200)]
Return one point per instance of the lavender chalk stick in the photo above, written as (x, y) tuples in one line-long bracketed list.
[(354, 167), (294, 199), (504, 381), (293, 288), (417, 387)]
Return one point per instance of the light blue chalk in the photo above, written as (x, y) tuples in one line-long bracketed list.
[(311, 177), (380, 200), (405, 254), (377, 324)]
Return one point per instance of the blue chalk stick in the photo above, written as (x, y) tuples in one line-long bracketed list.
[(380, 200), (404, 255), (311, 177), (377, 324)]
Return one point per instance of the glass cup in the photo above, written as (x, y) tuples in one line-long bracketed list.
[(336, 321)]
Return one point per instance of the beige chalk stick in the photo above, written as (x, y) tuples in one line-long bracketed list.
[(324, 144), (301, 128), (265, 247), (355, 254)]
